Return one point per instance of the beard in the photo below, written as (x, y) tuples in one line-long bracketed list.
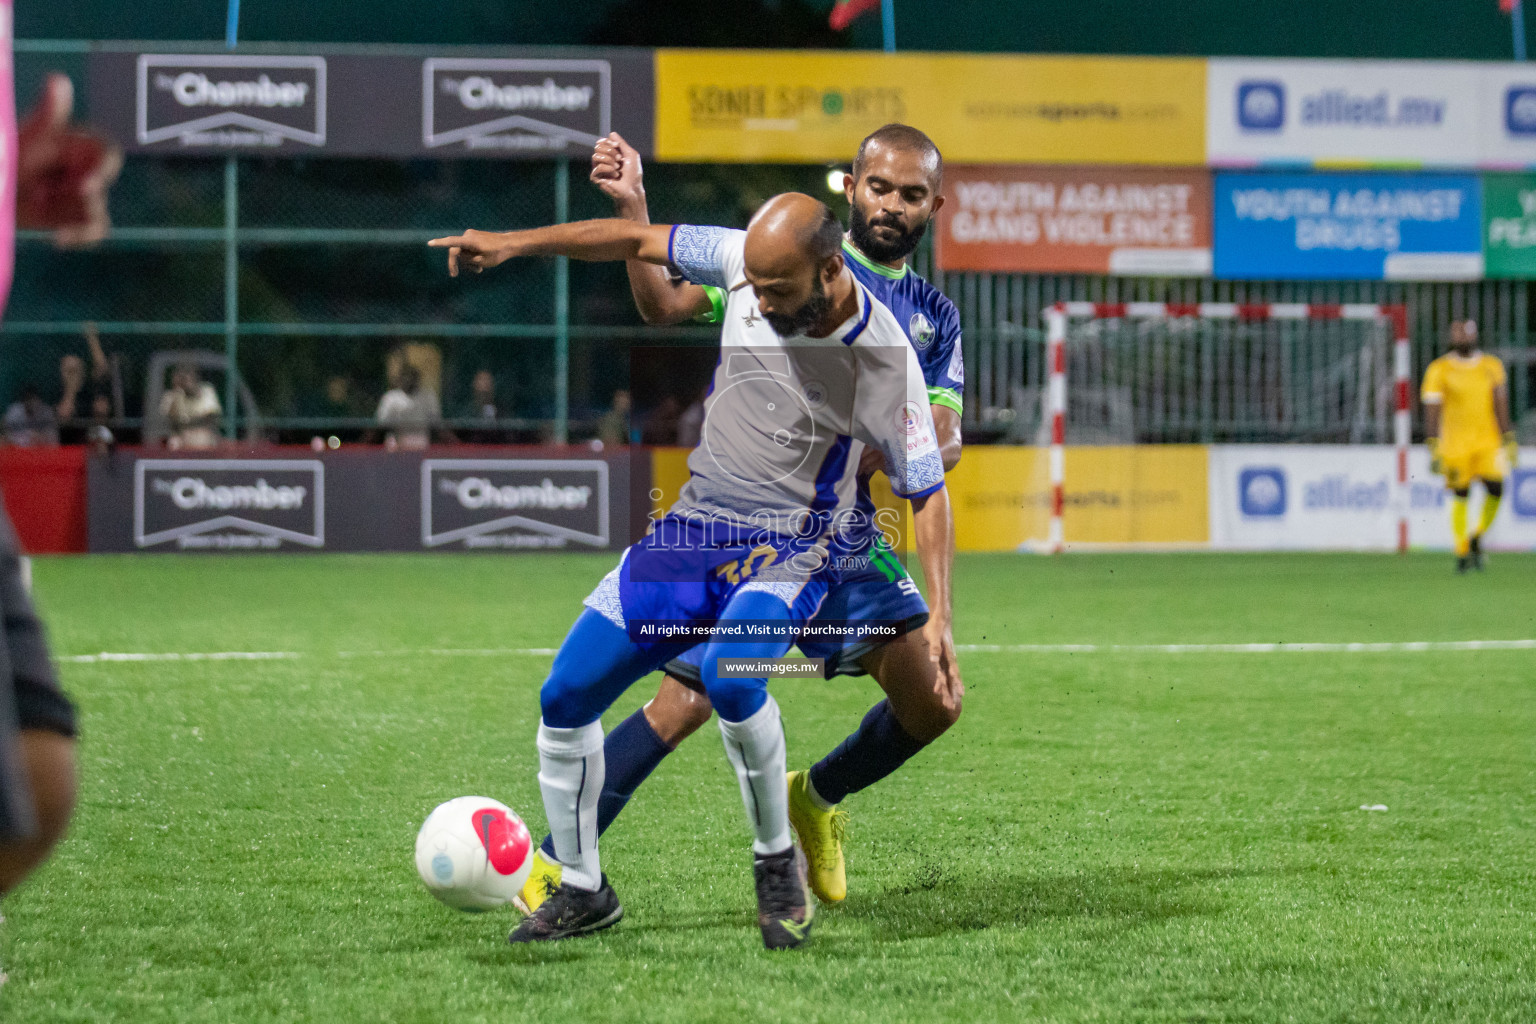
[(862, 229), (810, 313)]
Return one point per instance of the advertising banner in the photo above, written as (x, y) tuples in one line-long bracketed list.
[(1370, 113), (1116, 496), (1506, 116), (514, 503), (1076, 220), (1395, 227), (1509, 225), (804, 106), (515, 103), (228, 503), (1340, 497), (364, 501), (1343, 112)]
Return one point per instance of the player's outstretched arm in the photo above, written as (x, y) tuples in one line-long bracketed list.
[(934, 522), (660, 298), (595, 241)]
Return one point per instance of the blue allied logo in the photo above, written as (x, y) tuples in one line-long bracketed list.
[(920, 330), (1522, 485), (1261, 492), (1520, 110), (442, 868), (1261, 106)]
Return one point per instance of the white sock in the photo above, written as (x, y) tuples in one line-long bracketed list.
[(756, 750), (571, 779), (816, 798)]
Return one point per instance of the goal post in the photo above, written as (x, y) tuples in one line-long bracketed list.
[(1061, 317)]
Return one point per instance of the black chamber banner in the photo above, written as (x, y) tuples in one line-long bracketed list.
[(491, 500), (513, 104)]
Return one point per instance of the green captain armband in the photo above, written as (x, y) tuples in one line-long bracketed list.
[(947, 397), (716, 311)]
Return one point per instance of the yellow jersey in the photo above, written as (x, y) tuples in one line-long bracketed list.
[(1463, 388)]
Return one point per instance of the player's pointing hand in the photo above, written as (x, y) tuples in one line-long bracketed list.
[(474, 250)]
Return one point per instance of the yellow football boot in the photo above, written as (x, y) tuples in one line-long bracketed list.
[(821, 837), (543, 879)]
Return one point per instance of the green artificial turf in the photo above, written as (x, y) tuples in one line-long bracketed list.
[(1105, 836)]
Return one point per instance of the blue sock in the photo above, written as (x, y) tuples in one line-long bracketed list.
[(876, 749), (630, 752)]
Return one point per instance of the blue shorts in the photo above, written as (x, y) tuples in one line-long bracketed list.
[(670, 588), (875, 592)]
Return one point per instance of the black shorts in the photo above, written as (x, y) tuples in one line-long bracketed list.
[(30, 697)]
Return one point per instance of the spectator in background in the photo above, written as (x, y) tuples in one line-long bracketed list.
[(409, 411), (191, 409), (85, 398), (482, 396), (482, 406), (98, 433), (613, 427), (690, 425), (339, 402), (661, 424), (29, 422), (336, 400)]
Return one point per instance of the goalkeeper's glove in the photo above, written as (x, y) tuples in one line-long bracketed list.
[(1436, 464), (1511, 448)]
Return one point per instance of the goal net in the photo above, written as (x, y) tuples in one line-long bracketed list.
[(1115, 418)]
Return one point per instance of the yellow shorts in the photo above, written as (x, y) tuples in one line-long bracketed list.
[(1480, 464)]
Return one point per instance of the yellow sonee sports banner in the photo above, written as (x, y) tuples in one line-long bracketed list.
[(812, 106)]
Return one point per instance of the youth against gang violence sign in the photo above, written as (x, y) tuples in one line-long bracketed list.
[(1076, 220)]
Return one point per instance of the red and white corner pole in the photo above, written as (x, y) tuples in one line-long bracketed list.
[(1056, 409), (1402, 422)]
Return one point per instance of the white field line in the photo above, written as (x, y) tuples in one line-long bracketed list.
[(457, 652), (1404, 647), (109, 656)]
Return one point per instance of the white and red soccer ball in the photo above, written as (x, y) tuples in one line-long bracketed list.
[(474, 853)]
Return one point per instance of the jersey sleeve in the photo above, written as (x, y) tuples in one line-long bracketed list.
[(944, 369), (716, 311), (707, 255), (1496, 375), (1434, 384), (892, 414)]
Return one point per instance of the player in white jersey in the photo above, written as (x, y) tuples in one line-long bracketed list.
[(812, 369)]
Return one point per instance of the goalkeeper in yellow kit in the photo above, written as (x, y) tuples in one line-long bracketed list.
[(1468, 432)]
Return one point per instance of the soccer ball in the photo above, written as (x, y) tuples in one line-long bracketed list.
[(474, 853)]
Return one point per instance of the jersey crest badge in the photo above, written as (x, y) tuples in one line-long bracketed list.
[(920, 330)]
